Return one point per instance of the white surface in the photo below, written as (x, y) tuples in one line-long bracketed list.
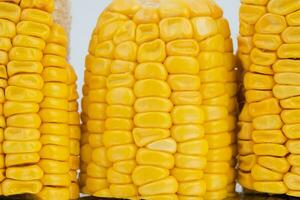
[(85, 14)]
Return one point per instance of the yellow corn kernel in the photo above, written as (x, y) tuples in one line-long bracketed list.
[(144, 136), (270, 149), (208, 60), (146, 32), (7, 28), (54, 167), (37, 15), (274, 163), (21, 159), (21, 146), (274, 187), (53, 60), (153, 104), (25, 54), (150, 157), (167, 145), (217, 167), (147, 174), (166, 185), (267, 122), (153, 51), (184, 47), (53, 192), (127, 190), (15, 67), (265, 107), (94, 185), (151, 71), (115, 177), (218, 140), (54, 129), (126, 51), (33, 29), (54, 103), (192, 188), (293, 159), (291, 131), (285, 91), (182, 25), (190, 161), (94, 170), (183, 133), (184, 175), (11, 108), (212, 184), (282, 8), (265, 27), (288, 51), (29, 41), (251, 13), (292, 19), (24, 173), (11, 187), (186, 98), (128, 152), (270, 136), (111, 138), (210, 29), (120, 80), (195, 147), (267, 41), (290, 35), (260, 173), (125, 33), (293, 146), (52, 48), (125, 167), (54, 152), (182, 65), (260, 57), (247, 162)]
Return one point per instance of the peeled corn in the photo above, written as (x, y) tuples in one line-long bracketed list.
[(159, 102), (268, 137), (39, 119)]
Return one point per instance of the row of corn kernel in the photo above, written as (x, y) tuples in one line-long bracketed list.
[(74, 133), (233, 111), (94, 163), (55, 153), (232, 90), (156, 147), (152, 122), (286, 89), (216, 100), (120, 98), (246, 158), (263, 145), (7, 32), (188, 118), (23, 95), (187, 113)]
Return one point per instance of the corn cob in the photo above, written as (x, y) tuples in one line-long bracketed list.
[(269, 122), (38, 85), (159, 105)]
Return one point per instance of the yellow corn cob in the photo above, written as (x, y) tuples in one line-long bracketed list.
[(159, 102), (269, 137), (39, 118)]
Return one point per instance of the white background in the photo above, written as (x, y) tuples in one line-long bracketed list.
[(85, 14)]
